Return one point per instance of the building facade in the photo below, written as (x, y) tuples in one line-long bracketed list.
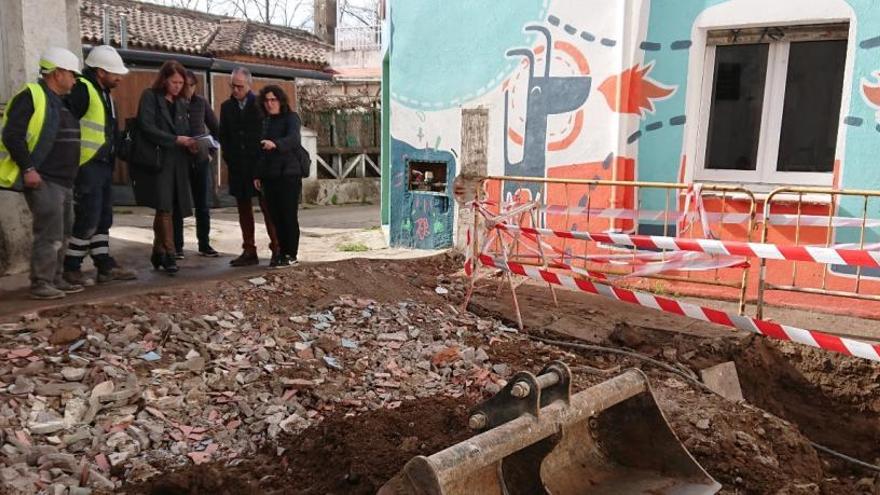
[(754, 92)]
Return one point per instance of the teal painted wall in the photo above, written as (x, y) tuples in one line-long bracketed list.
[(449, 54)]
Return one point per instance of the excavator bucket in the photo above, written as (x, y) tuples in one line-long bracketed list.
[(536, 438)]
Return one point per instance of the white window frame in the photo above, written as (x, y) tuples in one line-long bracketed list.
[(771, 127)]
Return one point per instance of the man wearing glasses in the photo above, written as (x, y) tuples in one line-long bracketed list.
[(241, 125)]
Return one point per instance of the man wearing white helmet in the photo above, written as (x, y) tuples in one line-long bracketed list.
[(40, 156), (90, 102)]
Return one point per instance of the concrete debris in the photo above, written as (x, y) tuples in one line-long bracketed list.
[(88, 408), (73, 374), (723, 380)]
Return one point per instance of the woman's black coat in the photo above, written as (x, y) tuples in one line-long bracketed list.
[(283, 130), (155, 123)]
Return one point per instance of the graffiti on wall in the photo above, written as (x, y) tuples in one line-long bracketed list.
[(871, 93), (420, 219), (545, 95), (545, 109)]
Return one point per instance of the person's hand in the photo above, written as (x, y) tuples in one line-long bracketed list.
[(268, 145), (185, 141), (193, 148), (258, 184), (32, 179)]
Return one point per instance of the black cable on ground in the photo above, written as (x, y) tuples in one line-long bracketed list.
[(672, 369), (844, 456), (613, 350)]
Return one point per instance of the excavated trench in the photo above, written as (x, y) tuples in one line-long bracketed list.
[(834, 401), (819, 397)]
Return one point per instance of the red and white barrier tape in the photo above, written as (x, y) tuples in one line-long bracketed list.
[(815, 254), (648, 262), (686, 222), (727, 218), (468, 255), (812, 338)]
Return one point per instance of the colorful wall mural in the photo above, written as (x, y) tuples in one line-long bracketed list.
[(595, 89)]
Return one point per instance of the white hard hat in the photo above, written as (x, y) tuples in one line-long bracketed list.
[(106, 57), (55, 57)]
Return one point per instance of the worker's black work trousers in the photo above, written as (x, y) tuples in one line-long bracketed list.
[(93, 217)]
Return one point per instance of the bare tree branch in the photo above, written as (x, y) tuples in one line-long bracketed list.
[(290, 13), (366, 12)]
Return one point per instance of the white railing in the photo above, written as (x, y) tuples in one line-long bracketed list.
[(358, 38), (340, 168)]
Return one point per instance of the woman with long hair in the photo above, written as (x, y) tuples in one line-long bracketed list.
[(278, 174), (160, 168)]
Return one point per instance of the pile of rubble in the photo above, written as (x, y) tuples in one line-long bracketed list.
[(85, 409)]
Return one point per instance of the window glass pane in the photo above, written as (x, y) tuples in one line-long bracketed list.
[(814, 86), (737, 99)]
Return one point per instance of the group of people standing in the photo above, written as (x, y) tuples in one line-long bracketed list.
[(61, 137)]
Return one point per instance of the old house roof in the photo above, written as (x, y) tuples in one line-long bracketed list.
[(155, 27)]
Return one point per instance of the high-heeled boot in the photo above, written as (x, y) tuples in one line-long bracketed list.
[(158, 247), (156, 260), (163, 237), (169, 263)]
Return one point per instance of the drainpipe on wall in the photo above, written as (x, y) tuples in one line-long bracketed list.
[(623, 29), (106, 35), (123, 31)]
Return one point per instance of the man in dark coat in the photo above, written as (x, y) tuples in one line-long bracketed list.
[(241, 124)]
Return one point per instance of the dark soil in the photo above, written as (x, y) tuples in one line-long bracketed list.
[(342, 455)]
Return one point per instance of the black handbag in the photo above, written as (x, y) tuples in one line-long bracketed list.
[(141, 153), (305, 161), (146, 155), (126, 141)]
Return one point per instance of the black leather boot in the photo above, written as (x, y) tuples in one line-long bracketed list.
[(169, 264), (156, 260)]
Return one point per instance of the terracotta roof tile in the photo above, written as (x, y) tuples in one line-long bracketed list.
[(171, 29)]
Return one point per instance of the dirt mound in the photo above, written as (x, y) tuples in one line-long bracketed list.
[(311, 286), (343, 455), (742, 447), (797, 394)]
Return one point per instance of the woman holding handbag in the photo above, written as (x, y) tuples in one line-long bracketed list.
[(278, 172), (160, 159)]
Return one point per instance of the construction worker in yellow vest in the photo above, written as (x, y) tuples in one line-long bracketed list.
[(40, 156), (90, 101)]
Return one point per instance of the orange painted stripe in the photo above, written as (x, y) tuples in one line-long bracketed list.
[(572, 136), (514, 136), (575, 55)]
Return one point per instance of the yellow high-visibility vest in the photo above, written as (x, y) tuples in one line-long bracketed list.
[(91, 125), (9, 170)]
